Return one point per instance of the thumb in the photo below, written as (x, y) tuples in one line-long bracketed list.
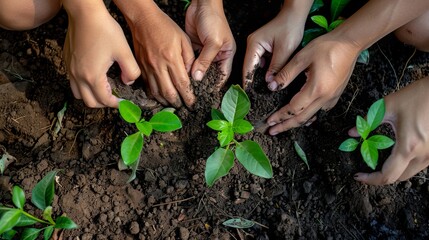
[(202, 63), (129, 67), (278, 60), (353, 132)]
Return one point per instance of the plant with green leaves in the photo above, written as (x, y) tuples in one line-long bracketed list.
[(42, 195), (131, 147), (228, 121), (370, 145), (325, 26), (187, 3)]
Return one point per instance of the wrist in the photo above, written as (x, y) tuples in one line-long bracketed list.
[(295, 11), (78, 8), (136, 10)]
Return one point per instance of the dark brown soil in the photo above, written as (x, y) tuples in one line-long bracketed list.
[(169, 199)]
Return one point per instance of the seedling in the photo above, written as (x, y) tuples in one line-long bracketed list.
[(228, 121), (301, 153), (370, 146), (42, 196), (238, 223), (131, 147), (326, 26)]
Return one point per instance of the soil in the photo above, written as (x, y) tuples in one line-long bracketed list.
[(169, 198)]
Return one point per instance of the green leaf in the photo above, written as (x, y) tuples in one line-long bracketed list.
[(129, 111), (253, 158), (310, 34), (47, 215), (363, 57), (301, 153), (349, 145), (242, 126), (65, 223), (9, 220), (47, 234), (165, 122), (362, 127), (238, 223), (25, 221), (225, 136), (321, 21), (30, 233), (369, 154), (317, 4), (18, 197), (218, 165), (337, 7), (131, 148), (218, 125), (43, 193), (335, 24), (144, 127), (217, 115), (376, 114), (380, 141), (8, 235), (235, 103)]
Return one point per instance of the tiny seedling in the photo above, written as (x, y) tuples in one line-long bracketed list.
[(42, 196), (238, 223), (370, 145), (325, 26), (228, 121), (131, 147), (301, 153)]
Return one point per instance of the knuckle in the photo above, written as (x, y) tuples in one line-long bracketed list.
[(282, 75), (170, 95)]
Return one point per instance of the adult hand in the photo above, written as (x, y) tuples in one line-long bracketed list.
[(165, 55), (210, 34), (280, 37), (407, 112), (328, 62), (93, 43)]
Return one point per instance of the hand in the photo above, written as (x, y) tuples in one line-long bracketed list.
[(280, 37), (93, 43), (407, 112), (165, 55), (328, 62), (210, 34)]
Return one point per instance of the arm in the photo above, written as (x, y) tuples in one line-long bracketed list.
[(93, 43), (329, 59), (163, 50)]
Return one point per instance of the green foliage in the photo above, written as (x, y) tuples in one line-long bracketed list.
[(42, 196), (187, 3), (238, 223), (131, 147), (370, 146), (301, 153), (230, 121), (325, 26)]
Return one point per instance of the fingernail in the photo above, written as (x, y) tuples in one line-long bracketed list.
[(272, 86), (271, 124), (130, 83), (198, 75), (269, 78), (274, 133)]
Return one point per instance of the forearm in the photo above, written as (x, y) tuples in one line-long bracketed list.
[(136, 10), (297, 10), (377, 19), (83, 7)]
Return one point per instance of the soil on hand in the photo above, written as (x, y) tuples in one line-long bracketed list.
[(169, 198)]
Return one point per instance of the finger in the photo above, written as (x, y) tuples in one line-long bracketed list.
[(167, 89), (252, 60), (391, 171), (129, 67), (225, 67), (154, 91), (103, 93), (75, 89), (206, 57), (289, 72), (88, 96), (416, 165), (278, 61), (188, 55), (296, 121), (353, 132), (182, 83)]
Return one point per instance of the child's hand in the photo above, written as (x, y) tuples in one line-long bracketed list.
[(407, 112), (93, 43), (210, 34)]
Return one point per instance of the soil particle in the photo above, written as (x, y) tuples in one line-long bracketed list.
[(184, 233), (134, 228)]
